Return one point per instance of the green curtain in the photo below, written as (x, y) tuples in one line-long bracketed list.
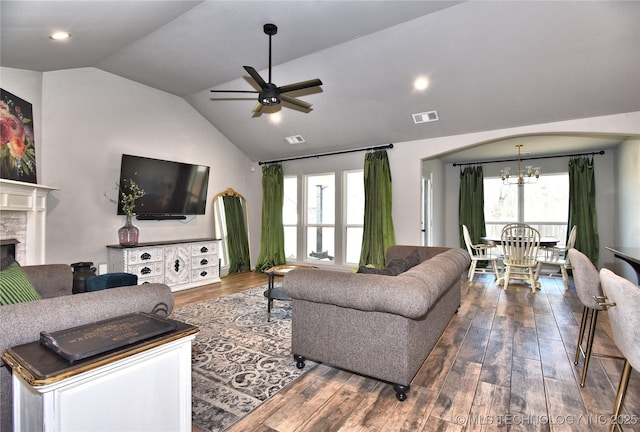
[(378, 233), (582, 207), (237, 237), (272, 237), (471, 204)]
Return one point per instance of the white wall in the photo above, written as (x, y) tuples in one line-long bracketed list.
[(406, 159), (627, 221), (86, 118), (91, 117)]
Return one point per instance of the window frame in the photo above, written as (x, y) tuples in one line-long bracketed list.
[(555, 229), (306, 224)]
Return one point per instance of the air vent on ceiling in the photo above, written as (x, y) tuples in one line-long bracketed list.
[(425, 117), (295, 139)]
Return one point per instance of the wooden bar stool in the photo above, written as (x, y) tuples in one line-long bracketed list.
[(587, 282), (623, 303)]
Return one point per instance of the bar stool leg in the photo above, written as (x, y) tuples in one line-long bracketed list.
[(622, 391), (590, 338), (583, 326)]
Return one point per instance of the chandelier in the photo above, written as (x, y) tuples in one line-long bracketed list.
[(530, 174)]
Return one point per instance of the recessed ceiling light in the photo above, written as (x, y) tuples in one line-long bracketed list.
[(421, 83), (59, 35)]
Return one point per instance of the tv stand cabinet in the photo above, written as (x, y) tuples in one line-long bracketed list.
[(181, 264)]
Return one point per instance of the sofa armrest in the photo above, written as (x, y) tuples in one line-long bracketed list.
[(51, 280), (22, 323)]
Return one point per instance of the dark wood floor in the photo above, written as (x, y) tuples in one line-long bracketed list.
[(504, 362)]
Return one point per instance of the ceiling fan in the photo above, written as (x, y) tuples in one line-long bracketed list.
[(270, 94)]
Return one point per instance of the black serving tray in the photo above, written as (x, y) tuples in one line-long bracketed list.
[(78, 343)]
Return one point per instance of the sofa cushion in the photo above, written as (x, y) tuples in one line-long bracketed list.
[(395, 266), (368, 270), (15, 286)]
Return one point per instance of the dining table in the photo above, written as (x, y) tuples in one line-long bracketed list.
[(630, 255), (497, 241)]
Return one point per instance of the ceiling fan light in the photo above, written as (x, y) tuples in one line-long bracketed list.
[(275, 117), (269, 97)]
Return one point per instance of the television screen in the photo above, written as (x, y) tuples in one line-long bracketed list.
[(171, 188)]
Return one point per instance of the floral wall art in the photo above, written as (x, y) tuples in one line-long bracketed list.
[(17, 147)]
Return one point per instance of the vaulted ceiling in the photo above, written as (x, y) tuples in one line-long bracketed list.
[(489, 64)]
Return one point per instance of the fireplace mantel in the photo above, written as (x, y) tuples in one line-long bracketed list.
[(32, 199)]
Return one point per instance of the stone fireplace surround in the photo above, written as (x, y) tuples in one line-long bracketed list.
[(23, 212)]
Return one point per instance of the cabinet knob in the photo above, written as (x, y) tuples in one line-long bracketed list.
[(204, 262), (145, 270), (203, 273), (176, 265), (145, 256), (204, 249)]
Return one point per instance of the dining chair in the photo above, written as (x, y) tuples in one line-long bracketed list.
[(588, 287), (479, 253), (622, 300), (520, 245), (561, 251), (557, 257)]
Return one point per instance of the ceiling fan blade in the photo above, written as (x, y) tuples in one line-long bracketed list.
[(257, 109), (234, 91), (296, 102), (256, 76), (300, 85)]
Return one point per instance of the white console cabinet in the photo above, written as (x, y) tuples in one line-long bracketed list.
[(140, 388), (179, 264)]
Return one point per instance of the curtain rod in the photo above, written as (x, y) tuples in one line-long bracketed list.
[(383, 147), (601, 152)]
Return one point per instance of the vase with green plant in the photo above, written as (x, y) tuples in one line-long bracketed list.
[(129, 193)]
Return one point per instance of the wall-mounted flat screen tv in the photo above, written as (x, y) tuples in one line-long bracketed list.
[(171, 188)]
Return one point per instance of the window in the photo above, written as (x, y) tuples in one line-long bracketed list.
[(354, 214), (320, 216), (290, 217), (324, 219), (544, 205)]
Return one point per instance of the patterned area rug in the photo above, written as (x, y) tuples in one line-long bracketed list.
[(239, 359)]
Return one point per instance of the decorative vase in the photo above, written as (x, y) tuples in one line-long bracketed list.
[(128, 234), (81, 272)]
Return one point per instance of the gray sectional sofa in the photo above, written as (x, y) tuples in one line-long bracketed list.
[(376, 325), (58, 310)]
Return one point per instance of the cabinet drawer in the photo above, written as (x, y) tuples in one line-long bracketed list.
[(143, 255), (146, 270), (204, 248), (204, 261), (152, 279), (204, 273)]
